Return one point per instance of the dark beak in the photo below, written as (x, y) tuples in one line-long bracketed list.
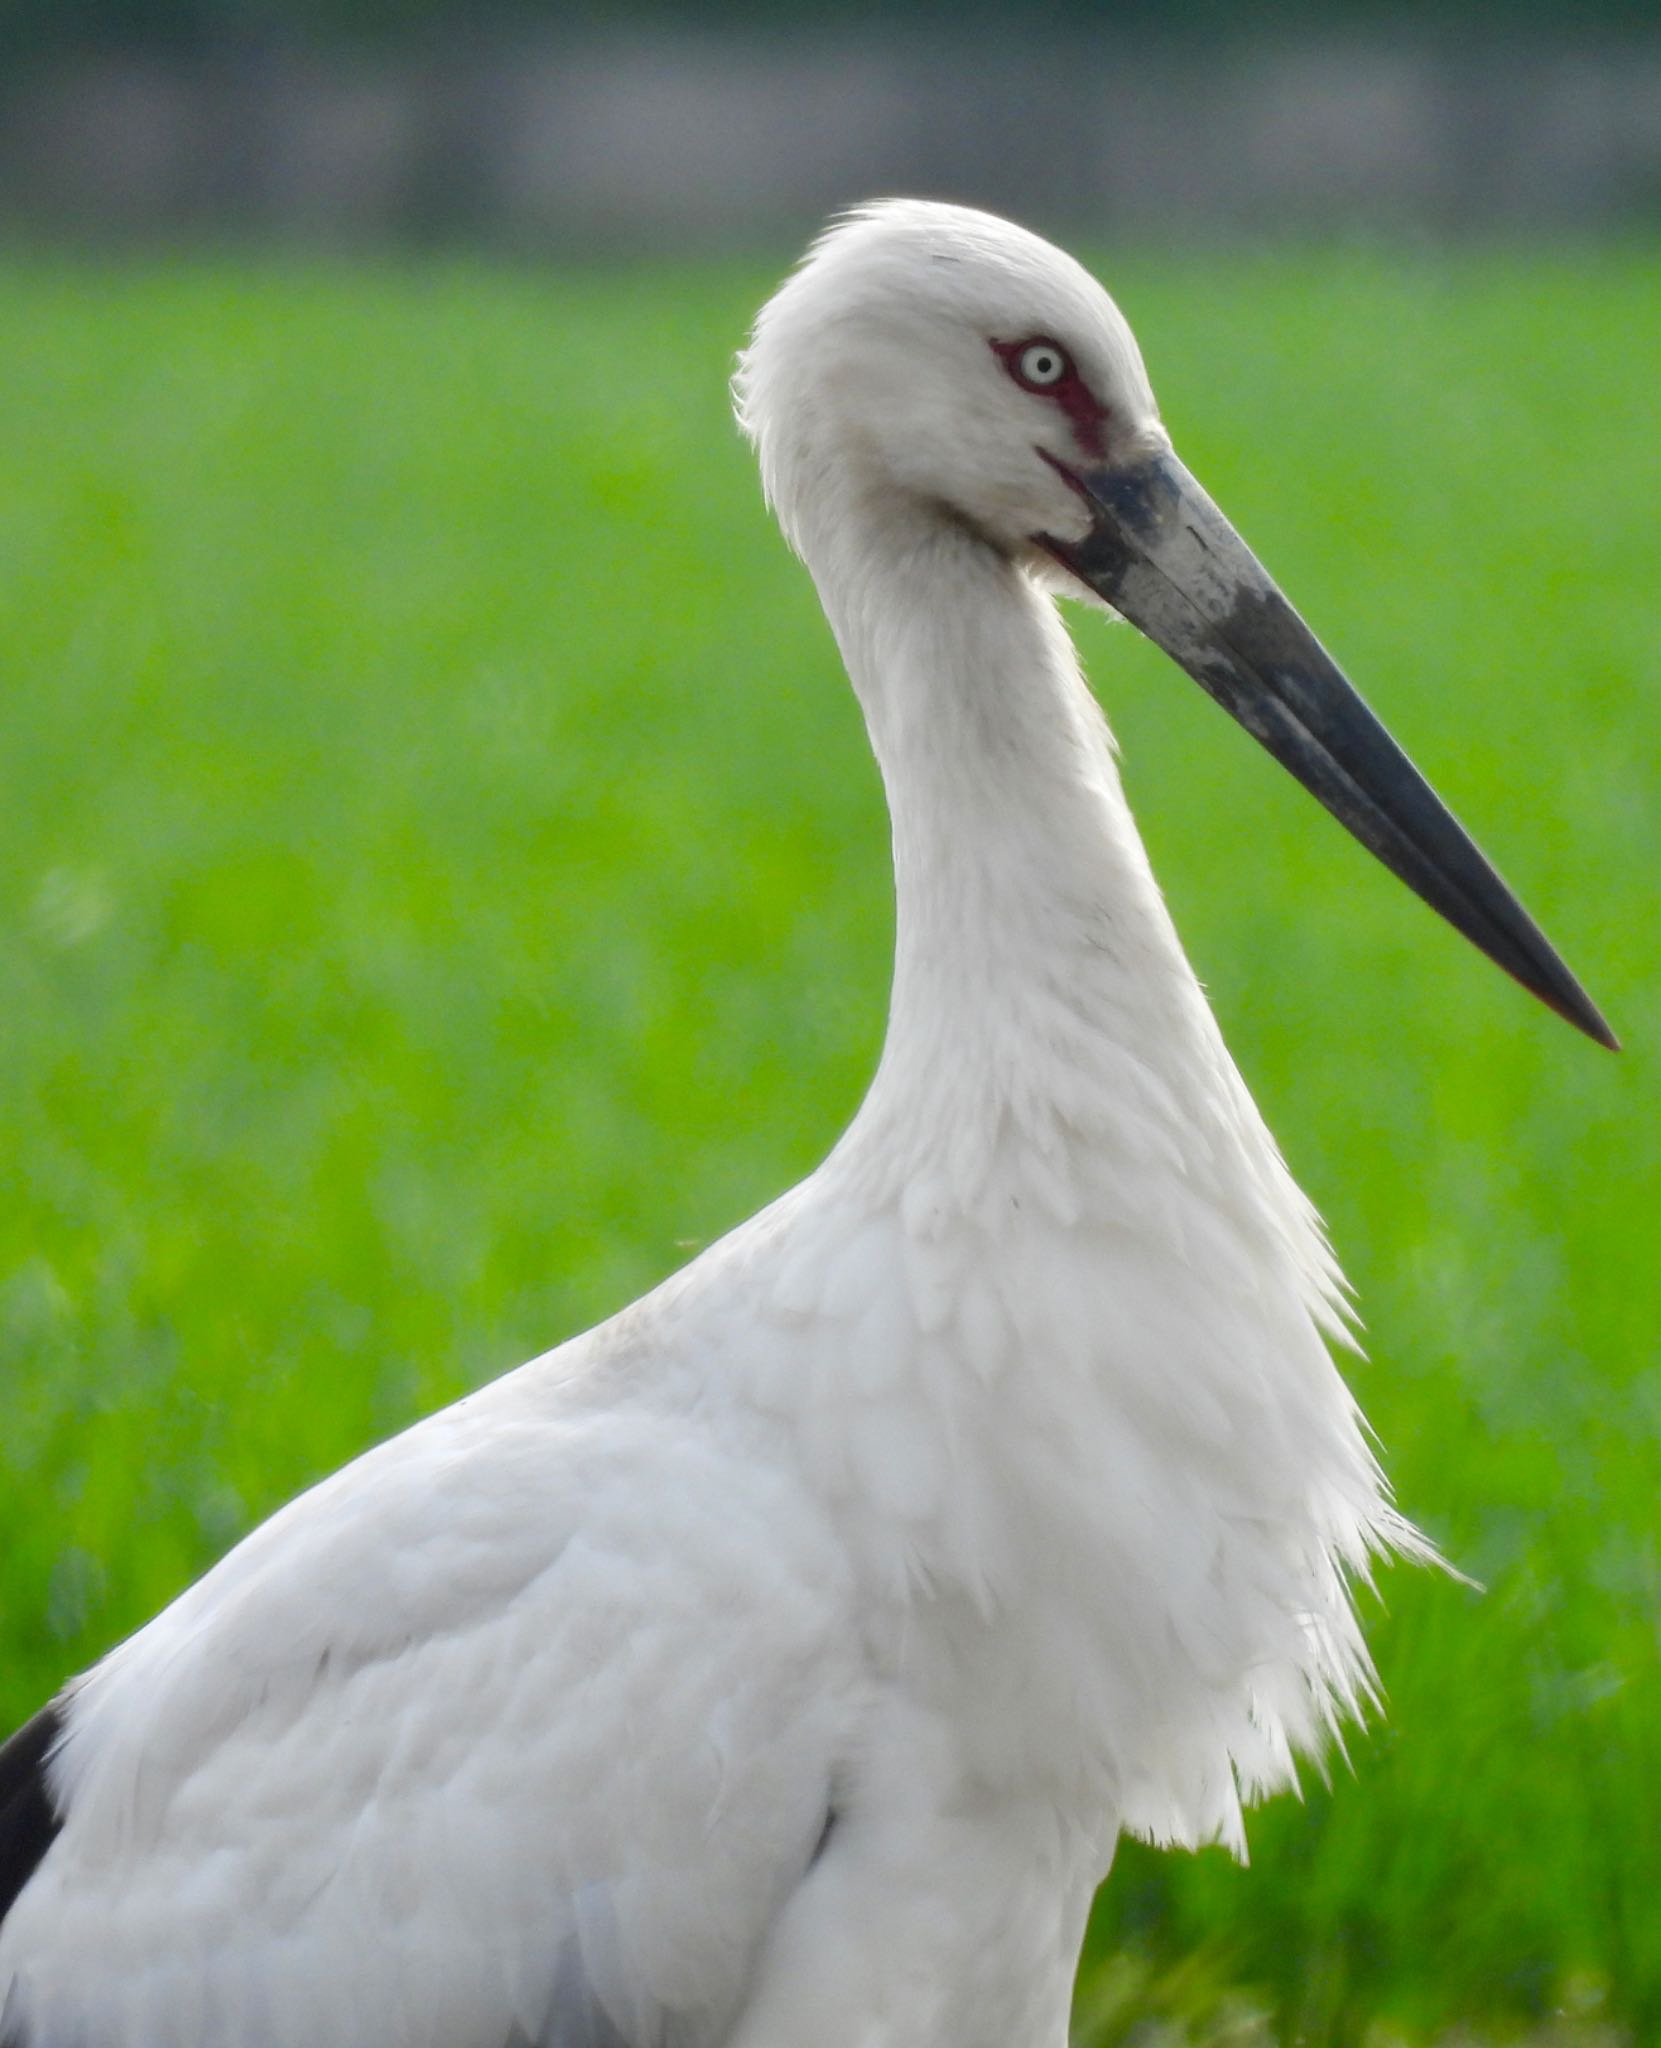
[(1161, 554)]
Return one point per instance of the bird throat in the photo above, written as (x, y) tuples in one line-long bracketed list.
[(1040, 992)]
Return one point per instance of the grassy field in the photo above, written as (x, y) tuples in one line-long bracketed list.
[(442, 880)]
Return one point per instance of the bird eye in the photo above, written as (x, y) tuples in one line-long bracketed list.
[(1041, 365)]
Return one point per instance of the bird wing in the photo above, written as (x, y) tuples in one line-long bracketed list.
[(29, 1820), (519, 1729)]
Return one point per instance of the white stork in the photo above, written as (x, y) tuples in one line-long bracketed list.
[(776, 1665)]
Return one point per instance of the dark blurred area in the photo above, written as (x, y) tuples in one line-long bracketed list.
[(586, 127)]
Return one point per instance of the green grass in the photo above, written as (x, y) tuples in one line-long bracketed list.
[(442, 879)]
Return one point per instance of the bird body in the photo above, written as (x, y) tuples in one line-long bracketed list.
[(777, 1665)]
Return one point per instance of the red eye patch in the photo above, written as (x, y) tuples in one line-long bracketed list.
[(1044, 368)]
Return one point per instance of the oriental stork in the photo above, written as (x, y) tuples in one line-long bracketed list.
[(777, 1664)]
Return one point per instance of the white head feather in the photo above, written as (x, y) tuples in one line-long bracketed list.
[(870, 375)]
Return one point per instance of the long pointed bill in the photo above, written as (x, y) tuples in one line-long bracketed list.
[(1160, 553)]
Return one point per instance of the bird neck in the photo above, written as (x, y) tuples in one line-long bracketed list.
[(1038, 981)]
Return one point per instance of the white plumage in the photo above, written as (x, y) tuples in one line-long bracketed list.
[(776, 1665)]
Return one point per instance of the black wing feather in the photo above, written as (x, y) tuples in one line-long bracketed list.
[(29, 1818)]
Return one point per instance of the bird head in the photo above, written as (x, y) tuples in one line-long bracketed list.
[(929, 364), (938, 361)]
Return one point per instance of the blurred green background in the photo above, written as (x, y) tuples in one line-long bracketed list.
[(443, 881)]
